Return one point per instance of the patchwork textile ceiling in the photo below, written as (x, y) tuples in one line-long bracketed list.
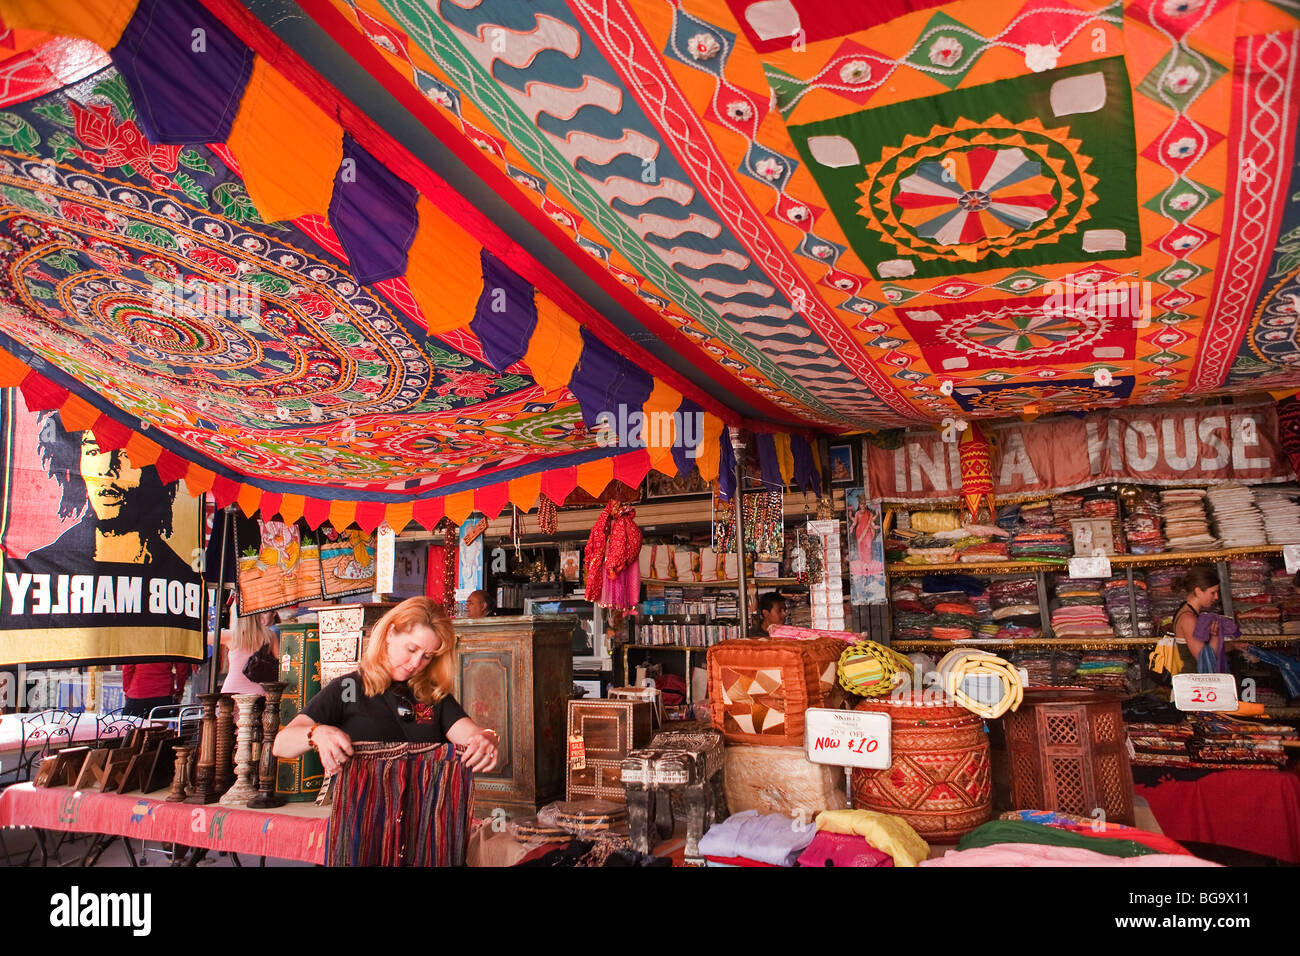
[(469, 227)]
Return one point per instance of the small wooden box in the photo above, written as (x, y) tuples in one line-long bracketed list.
[(340, 649), (610, 730)]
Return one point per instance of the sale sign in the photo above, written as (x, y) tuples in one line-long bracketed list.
[(1205, 692), (847, 738)]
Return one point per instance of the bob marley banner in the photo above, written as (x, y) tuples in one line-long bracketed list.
[(97, 554)]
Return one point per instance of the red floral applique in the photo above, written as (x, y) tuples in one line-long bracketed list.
[(424, 713)]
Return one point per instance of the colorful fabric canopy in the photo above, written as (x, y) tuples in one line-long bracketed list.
[(844, 216)]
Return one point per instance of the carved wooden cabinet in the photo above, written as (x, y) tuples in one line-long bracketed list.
[(299, 779), (515, 676)]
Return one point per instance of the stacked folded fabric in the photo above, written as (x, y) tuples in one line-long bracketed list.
[(912, 619), (1045, 838), (1165, 600), (1282, 593), (1087, 621), (954, 621), (985, 552), (1015, 632), (1035, 516), (1142, 524), (1218, 739), (930, 549), (1159, 744), (750, 838), (1248, 580), (1186, 526), (1259, 619), (1015, 603), (1077, 592), (1116, 593), (1065, 507), (1040, 545), (1106, 506), (1236, 520), (1038, 664), (1280, 508), (1106, 670)]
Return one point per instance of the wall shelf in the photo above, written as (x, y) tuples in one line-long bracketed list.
[(1165, 559)]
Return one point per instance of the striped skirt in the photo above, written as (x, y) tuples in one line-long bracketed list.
[(400, 804)]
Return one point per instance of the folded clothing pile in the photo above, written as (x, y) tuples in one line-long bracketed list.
[(1107, 670), (1248, 580), (1186, 526), (1142, 523), (1040, 545), (751, 838), (1038, 664), (933, 522), (1065, 507), (954, 621), (1116, 595), (1107, 506), (1160, 744), (983, 553), (1236, 520), (1259, 619), (1219, 739), (1035, 516), (912, 619), (1015, 632), (1165, 599), (1015, 602), (1280, 508), (1089, 621), (1044, 838), (930, 549), (1282, 593), (1079, 592)]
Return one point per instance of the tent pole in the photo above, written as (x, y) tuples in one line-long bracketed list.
[(738, 503), (221, 595)]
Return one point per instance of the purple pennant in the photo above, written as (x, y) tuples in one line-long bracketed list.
[(603, 380), (806, 477), (373, 213), (726, 465), (506, 314), (186, 72), (687, 438), (767, 462)]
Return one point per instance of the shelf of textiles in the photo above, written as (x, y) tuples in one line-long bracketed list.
[(1212, 742), (1138, 525)]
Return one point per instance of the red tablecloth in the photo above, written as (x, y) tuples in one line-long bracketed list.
[(292, 832), (1253, 810)]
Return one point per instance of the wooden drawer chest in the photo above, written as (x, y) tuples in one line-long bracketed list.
[(610, 730)]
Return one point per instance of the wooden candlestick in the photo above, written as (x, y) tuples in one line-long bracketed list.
[(243, 789), (266, 797), (224, 773), (203, 790), (181, 777), (256, 753)]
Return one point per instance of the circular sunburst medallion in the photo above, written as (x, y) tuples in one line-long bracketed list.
[(966, 191), (1022, 333)]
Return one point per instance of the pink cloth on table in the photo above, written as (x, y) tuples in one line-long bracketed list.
[(841, 849), (1038, 854)]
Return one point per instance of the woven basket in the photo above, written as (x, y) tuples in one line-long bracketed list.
[(940, 780)]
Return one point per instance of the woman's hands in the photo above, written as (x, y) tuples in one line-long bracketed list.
[(333, 745), (481, 751)]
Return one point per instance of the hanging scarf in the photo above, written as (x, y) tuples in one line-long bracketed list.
[(622, 561), (400, 804), (594, 560)]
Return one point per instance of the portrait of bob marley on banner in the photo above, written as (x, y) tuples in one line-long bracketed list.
[(97, 554)]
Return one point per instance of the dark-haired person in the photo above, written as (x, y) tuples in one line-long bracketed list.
[(476, 605), (1200, 587), (771, 613), (126, 511)]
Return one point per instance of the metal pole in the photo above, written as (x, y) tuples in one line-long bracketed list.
[(226, 530), (738, 503)]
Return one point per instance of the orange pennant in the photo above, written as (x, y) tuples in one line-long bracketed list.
[(78, 414), (443, 270), (249, 499), (399, 515), (101, 21), (593, 476), (342, 514), (199, 480), (459, 506), (142, 451), (288, 148), (554, 348), (291, 508), (524, 491)]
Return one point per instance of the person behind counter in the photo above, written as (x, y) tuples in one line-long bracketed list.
[(1201, 587), (476, 605), (771, 613), (402, 692), (249, 635)]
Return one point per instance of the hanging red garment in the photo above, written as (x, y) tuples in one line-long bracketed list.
[(436, 580), (594, 560), (622, 561)]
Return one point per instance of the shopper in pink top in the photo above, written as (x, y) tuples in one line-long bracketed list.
[(249, 635), (156, 684)]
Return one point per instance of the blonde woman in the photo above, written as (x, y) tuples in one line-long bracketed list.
[(401, 693), (249, 635)]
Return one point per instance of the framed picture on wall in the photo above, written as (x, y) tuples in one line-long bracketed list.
[(843, 465)]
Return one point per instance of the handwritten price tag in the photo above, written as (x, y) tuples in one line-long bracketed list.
[(1205, 692), (1291, 555), (1097, 566), (847, 738)]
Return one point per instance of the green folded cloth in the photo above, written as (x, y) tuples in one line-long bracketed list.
[(1022, 831)]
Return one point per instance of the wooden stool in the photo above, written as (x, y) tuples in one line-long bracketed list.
[(691, 764)]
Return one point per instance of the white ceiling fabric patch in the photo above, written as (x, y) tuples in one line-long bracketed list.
[(1079, 94)]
